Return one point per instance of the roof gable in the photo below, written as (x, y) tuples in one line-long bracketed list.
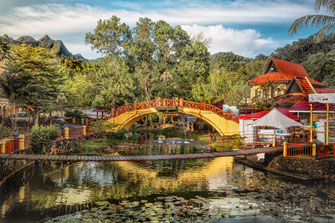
[(271, 68), (280, 70), (300, 85)]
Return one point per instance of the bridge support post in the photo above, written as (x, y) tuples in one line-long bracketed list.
[(67, 133), (2, 146), (21, 142), (84, 130), (284, 149)]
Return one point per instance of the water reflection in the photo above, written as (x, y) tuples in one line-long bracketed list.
[(230, 189), (54, 184)]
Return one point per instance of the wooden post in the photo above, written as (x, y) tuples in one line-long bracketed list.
[(3, 146), (274, 141), (284, 149), (181, 102), (174, 101), (84, 130), (311, 123), (314, 151), (21, 142), (327, 125), (67, 133), (73, 120), (82, 121)]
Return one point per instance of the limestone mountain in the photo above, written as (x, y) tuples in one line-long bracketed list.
[(56, 46)]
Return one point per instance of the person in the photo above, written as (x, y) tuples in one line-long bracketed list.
[(63, 130), (16, 134)]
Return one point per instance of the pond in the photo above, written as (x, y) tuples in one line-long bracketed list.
[(200, 190)]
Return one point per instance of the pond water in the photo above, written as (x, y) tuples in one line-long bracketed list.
[(201, 190)]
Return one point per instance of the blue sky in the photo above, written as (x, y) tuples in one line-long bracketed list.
[(244, 27)]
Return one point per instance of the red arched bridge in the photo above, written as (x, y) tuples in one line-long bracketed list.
[(226, 123)]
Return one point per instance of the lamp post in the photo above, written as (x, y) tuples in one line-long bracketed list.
[(61, 98)]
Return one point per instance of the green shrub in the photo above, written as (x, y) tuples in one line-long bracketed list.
[(42, 137), (121, 134), (4, 132), (74, 114), (102, 127)]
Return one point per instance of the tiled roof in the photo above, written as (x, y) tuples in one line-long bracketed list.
[(274, 77), (305, 86), (325, 90), (287, 70)]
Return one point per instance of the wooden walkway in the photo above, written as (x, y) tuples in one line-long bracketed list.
[(77, 158)]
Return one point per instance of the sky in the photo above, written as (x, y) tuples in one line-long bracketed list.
[(243, 27)]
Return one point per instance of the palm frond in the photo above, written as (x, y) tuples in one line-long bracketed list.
[(310, 20), (328, 5), (326, 29)]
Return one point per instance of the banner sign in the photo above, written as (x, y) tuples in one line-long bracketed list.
[(322, 98)]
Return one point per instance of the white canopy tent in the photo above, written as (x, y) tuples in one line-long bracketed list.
[(276, 119)]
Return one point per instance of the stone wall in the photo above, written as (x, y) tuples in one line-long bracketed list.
[(316, 169)]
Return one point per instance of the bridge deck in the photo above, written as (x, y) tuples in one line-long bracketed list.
[(75, 158)]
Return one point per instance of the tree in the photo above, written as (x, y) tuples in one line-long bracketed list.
[(327, 22), (110, 37), (224, 85), (163, 60), (31, 76), (100, 83)]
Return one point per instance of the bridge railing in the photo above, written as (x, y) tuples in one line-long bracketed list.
[(173, 103), (298, 150), (305, 151)]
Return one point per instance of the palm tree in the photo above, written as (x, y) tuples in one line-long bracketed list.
[(327, 22)]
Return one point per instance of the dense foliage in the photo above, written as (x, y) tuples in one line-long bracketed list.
[(74, 114), (31, 76), (151, 60), (42, 137), (4, 131)]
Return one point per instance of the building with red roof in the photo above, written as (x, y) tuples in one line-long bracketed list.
[(286, 83)]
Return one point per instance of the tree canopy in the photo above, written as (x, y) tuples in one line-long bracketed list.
[(31, 76)]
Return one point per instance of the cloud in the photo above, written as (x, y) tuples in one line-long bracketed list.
[(63, 19), (245, 42), (60, 18)]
